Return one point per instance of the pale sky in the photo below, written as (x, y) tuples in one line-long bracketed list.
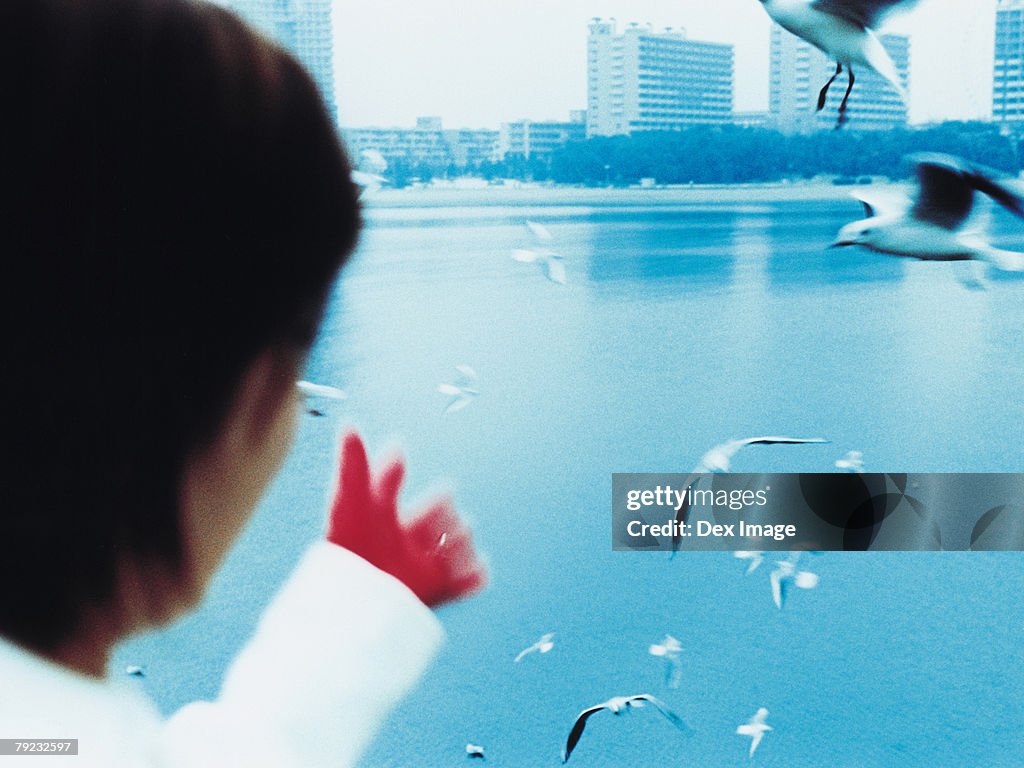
[(478, 63)]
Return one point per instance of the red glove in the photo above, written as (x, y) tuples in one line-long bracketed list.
[(432, 554)]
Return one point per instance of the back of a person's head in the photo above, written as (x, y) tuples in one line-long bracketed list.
[(176, 202)]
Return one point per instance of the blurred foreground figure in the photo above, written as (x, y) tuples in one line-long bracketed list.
[(177, 207)]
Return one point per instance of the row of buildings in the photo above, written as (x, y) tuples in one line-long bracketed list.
[(643, 79)]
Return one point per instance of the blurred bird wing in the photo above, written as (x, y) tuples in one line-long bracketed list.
[(673, 672), (671, 716), (777, 440), (866, 13), (945, 194), (466, 373), (458, 402), (555, 271), (881, 202), (1008, 261), (577, 730), (778, 588), (539, 231), (370, 182), (755, 741), (309, 389)]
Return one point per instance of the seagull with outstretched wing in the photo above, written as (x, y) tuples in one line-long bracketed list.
[(618, 705), (543, 645), (462, 391), (755, 728), (719, 458), (843, 30), (786, 576), (549, 261)]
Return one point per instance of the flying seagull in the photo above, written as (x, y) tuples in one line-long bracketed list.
[(755, 728), (718, 460), (755, 558), (617, 705), (549, 261), (475, 751), (843, 30), (719, 457), (135, 671), (368, 183), (669, 649), (786, 575), (368, 177), (545, 644), (462, 391), (310, 391), (936, 225)]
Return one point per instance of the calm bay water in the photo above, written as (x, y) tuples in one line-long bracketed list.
[(680, 326)]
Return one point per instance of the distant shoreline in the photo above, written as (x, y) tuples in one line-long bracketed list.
[(697, 194)]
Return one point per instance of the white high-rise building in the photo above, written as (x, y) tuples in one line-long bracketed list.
[(1008, 67), (798, 70), (642, 80), (301, 26)]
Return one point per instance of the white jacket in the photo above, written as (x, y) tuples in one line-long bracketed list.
[(338, 647)]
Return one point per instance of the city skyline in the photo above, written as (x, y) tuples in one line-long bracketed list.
[(502, 62)]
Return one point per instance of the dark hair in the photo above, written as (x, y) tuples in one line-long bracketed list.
[(177, 202)]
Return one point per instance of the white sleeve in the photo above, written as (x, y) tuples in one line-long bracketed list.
[(336, 650)]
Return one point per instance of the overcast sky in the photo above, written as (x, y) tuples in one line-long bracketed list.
[(477, 63)]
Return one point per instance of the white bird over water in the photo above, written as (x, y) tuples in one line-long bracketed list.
[(719, 458), (310, 391), (369, 183), (755, 558), (545, 644), (755, 728), (617, 705), (842, 29), (669, 649), (549, 261), (853, 461), (368, 176), (462, 391), (475, 751), (936, 225), (786, 575)]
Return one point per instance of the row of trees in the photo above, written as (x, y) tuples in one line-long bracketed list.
[(729, 154), (733, 154)]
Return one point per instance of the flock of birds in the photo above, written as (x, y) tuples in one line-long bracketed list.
[(786, 575), (936, 223)]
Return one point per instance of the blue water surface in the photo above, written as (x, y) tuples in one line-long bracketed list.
[(680, 326)]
